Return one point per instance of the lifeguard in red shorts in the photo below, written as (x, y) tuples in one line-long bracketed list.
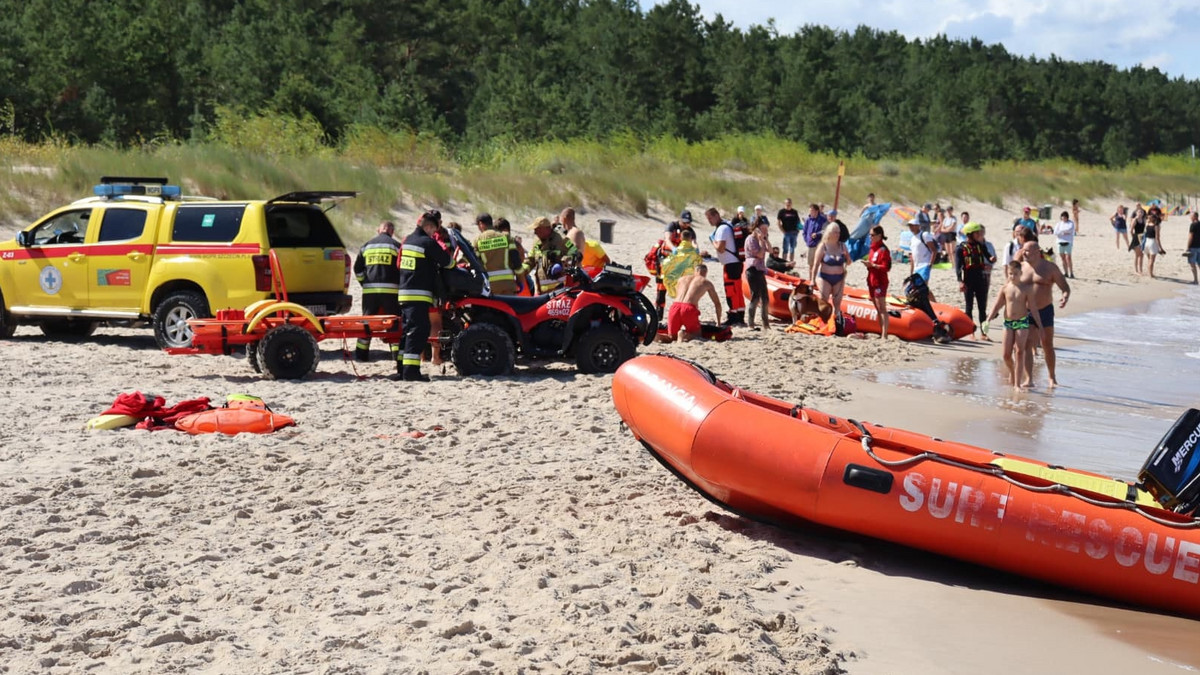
[(683, 320)]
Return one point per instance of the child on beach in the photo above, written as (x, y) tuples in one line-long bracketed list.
[(1019, 315)]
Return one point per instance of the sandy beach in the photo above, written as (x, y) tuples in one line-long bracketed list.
[(524, 531)]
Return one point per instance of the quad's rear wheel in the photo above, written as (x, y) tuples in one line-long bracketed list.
[(603, 349), (288, 352), (483, 349)]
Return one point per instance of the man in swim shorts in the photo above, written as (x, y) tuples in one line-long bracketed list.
[(1044, 276), (1017, 301), (683, 320)]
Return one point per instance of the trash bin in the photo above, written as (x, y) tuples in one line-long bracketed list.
[(606, 230), (1046, 212)]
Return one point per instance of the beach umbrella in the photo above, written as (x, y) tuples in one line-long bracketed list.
[(859, 245)]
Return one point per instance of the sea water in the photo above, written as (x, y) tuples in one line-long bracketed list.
[(1125, 375)]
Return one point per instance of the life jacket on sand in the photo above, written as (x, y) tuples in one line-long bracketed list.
[(241, 413), (815, 327)]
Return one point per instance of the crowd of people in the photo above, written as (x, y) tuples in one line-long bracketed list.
[(743, 248)]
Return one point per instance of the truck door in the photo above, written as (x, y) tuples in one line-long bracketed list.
[(119, 258), (52, 269)]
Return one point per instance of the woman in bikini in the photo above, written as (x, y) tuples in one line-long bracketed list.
[(829, 267)]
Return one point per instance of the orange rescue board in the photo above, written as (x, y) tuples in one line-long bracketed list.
[(985, 508)]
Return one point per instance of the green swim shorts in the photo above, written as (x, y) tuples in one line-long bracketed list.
[(1017, 324)]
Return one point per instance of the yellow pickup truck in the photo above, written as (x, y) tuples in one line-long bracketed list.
[(138, 251)]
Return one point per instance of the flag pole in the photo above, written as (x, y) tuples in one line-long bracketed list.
[(837, 193)]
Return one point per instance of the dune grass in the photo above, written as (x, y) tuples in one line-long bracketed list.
[(261, 156)]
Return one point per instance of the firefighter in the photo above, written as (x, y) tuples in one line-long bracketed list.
[(421, 261), (550, 249), (378, 272), (495, 250)]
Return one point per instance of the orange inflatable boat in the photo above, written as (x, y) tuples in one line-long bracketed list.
[(770, 460), (905, 321)]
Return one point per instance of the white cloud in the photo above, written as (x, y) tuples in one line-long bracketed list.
[(1154, 33)]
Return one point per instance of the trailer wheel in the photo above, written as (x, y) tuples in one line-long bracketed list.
[(252, 357), (288, 352)]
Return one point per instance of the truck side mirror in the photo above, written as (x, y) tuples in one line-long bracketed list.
[(23, 239)]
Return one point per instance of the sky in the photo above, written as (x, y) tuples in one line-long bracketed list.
[(1164, 34)]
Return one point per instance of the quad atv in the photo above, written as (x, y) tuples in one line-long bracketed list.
[(598, 322)]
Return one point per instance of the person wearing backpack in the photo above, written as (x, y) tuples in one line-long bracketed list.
[(731, 264)]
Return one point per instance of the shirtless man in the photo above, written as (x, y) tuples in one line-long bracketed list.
[(683, 320), (1020, 314), (570, 230), (1043, 275)]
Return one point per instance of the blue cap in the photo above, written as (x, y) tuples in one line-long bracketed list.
[(685, 216)]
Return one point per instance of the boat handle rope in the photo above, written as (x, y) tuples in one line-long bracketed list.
[(866, 439)]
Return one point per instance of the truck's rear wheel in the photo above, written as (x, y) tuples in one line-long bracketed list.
[(171, 317), (288, 352), (68, 329)]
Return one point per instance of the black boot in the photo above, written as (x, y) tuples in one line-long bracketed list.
[(413, 374), (362, 355)]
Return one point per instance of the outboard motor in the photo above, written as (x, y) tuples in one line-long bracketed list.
[(917, 294), (1172, 472)]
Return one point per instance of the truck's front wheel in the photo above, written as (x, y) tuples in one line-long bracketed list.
[(171, 317), (8, 323)]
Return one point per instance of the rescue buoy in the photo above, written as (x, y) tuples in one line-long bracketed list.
[(232, 421)]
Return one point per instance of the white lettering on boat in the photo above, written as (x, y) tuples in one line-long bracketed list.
[(861, 311), (1049, 526), (682, 397)]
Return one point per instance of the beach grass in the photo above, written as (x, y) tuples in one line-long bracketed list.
[(265, 155)]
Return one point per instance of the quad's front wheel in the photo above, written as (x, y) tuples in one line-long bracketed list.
[(288, 352), (483, 349), (603, 349)]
